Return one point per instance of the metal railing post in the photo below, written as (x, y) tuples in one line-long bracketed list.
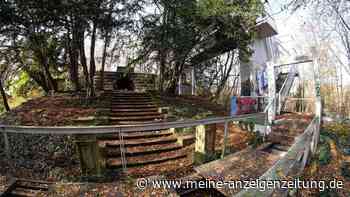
[(122, 150)]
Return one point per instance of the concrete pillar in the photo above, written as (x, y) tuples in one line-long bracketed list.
[(205, 143), (89, 155), (164, 111)]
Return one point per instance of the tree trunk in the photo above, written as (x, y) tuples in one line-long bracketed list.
[(39, 78), (161, 71), (73, 55), (83, 59), (92, 59), (174, 80), (39, 51), (51, 83), (4, 98), (106, 44), (226, 73)]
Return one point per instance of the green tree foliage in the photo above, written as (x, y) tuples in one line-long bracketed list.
[(49, 36), (194, 32)]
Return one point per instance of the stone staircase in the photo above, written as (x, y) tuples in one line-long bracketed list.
[(286, 129), (142, 81), (108, 79), (133, 108), (143, 147)]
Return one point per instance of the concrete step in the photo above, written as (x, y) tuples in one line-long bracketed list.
[(129, 93), (137, 151), (281, 139), (144, 110), (141, 98), (271, 149), (130, 96), (134, 122), (281, 147), (137, 135), (106, 75), (136, 118), (128, 114), (122, 106), (116, 103), (138, 142), (146, 159), (105, 82), (132, 99), (98, 77)]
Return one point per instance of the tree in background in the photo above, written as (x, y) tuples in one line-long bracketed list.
[(329, 27), (50, 36), (190, 33)]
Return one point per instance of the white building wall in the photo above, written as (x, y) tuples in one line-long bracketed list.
[(263, 51)]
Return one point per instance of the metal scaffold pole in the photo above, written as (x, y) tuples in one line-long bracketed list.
[(318, 102), (272, 92)]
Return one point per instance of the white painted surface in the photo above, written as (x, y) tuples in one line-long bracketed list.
[(271, 92)]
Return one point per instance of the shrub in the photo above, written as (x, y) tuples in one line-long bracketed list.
[(324, 154)]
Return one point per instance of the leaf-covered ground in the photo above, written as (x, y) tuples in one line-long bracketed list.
[(328, 164), (54, 158), (59, 110)]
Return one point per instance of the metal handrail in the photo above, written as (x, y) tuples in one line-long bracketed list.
[(282, 90), (293, 63), (71, 130), (300, 147)]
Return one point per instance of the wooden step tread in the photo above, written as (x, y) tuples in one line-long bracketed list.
[(140, 142), (146, 159), (138, 150)]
